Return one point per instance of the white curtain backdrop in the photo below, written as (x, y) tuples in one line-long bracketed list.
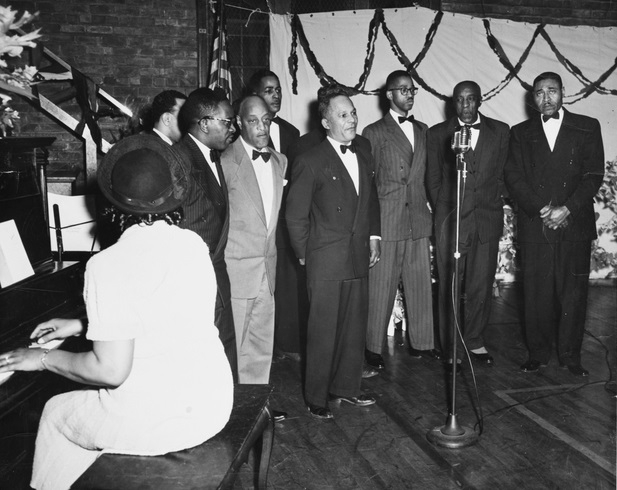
[(460, 51)]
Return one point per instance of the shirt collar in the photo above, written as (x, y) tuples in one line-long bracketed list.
[(164, 137)]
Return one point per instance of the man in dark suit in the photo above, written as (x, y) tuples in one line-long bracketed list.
[(481, 212), (291, 298), (398, 142), (207, 118), (333, 221), (161, 117), (555, 167)]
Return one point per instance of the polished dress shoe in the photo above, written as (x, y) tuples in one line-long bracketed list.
[(278, 416), (428, 353), (531, 366), (358, 401), (577, 370), (369, 372), (322, 413), (374, 360), (485, 358)]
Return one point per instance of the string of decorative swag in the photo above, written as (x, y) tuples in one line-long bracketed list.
[(378, 21)]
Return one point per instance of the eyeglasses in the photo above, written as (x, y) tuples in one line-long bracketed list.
[(227, 122), (405, 90)]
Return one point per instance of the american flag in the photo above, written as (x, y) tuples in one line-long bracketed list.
[(220, 75)]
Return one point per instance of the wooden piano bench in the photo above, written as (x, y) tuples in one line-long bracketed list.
[(213, 464)]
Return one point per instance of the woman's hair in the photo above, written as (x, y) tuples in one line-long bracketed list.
[(124, 220)]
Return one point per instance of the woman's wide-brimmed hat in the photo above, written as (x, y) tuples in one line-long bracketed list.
[(142, 174)]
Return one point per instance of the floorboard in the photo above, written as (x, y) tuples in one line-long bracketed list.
[(545, 430)]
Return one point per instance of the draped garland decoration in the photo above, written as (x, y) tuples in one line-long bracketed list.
[(378, 21)]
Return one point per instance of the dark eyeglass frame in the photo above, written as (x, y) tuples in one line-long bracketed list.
[(228, 122), (405, 90)]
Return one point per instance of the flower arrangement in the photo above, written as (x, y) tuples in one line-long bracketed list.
[(16, 80), (602, 261)]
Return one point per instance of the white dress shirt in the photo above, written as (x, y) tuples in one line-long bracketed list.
[(206, 153), (263, 172), (406, 126), (551, 128), (350, 161)]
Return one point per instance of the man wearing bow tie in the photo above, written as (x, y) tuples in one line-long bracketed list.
[(334, 226), (555, 167), (399, 152), (291, 298), (255, 177), (481, 212), (206, 119)]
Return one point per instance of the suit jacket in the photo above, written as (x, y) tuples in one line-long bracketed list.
[(400, 179), (482, 209), (329, 223), (206, 208), (569, 175), (289, 134), (251, 247)]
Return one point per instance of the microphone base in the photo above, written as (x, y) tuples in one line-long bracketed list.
[(452, 435)]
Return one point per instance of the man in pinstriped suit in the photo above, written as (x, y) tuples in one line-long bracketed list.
[(399, 151), (481, 223), (207, 119)]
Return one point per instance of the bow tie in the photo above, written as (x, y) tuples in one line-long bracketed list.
[(350, 147), (402, 119), (469, 126), (554, 115), (263, 154), (215, 156)]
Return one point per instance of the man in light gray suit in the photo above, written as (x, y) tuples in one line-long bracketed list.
[(398, 144), (255, 177)]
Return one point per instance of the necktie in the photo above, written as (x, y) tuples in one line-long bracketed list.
[(215, 156), (350, 147), (554, 115), (263, 154), (402, 119)]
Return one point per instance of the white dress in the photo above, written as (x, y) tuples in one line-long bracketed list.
[(157, 286)]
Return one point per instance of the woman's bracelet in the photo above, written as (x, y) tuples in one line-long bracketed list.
[(45, 352)]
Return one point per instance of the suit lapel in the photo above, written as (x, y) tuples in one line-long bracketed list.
[(399, 139), (248, 180), (204, 175), (277, 181)]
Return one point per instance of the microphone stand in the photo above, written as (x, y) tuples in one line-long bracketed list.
[(452, 435)]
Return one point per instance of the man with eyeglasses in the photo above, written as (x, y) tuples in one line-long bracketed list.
[(481, 223), (398, 144), (554, 170), (206, 119), (255, 176), (291, 297), (161, 117)]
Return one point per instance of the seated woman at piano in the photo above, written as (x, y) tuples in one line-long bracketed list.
[(159, 377)]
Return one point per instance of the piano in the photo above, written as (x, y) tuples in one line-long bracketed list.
[(55, 290)]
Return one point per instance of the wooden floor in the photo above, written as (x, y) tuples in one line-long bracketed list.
[(545, 430)]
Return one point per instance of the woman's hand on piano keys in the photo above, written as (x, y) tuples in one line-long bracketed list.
[(22, 360), (57, 329)]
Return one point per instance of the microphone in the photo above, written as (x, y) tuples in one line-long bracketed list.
[(461, 140)]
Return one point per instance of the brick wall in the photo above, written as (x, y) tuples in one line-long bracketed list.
[(133, 49), (599, 13)]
